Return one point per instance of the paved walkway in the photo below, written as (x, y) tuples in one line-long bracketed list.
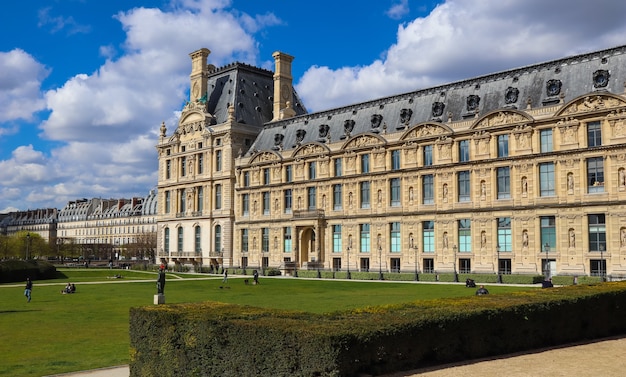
[(604, 357)]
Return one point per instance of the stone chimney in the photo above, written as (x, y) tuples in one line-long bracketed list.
[(282, 86), (199, 73)]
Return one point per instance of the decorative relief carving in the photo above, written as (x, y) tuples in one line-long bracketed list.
[(601, 78), (300, 134), (472, 102), (405, 116), (426, 130), (553, 87), (348, 126), (502, 117), (362, 142), (569, 129), (265, 157), (376, 120), (323, 130), (481, 140), (591, 103), (437, 109), (523, 135), (510, 95), (617, 122)]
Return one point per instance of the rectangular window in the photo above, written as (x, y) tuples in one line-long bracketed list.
[(503, 145), (394, 236), (288, 173), (465, 236), (545, 138), (428, 236), (287, 242), (395, 160), (218, 196), (312, 170), (337, 239), (200, 163), (464, 150), (338, 167), (504, 234), (546, 179), (245, 204), (266, 203), (394, 189), (166, 241), (548, 231), (595, 174), (266, 176), (597, 232), (365, 163), (463, 184), (168, 169), (428, 155), (504, 182), (218, 160), (265, 240), (167, 201), (180, 239), (246, 179), (337, 203), (594, 134), (365, 194), (244, 240), (182, 201), (311, 194), (365, 245), (183, 166), (288, 195), (200, 199), (428, 192)]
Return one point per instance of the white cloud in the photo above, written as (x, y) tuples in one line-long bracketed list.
[(20, 83), (106, 122), (464, 38), (398, 10)]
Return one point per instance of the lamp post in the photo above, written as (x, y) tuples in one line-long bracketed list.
[(417, 277), (456, 276), (380, 263), (546, 248), (602, 263), (498, 264), (27, 256)]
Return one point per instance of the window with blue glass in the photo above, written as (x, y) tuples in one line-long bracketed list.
[(428, 155), (428, 236), (503, 175), (337, 202), (311, 194), (546, 179), (503, 145), (463, 178), (394, 236), (365, 163), (594, 134), (465, 236), (595, 174), (338, 167), (365, 241), (395, 159), (428, 191), (337, 239), (365, 194), (504, 234), (545, 139), (464, 150), (394, 184), (597, 232)]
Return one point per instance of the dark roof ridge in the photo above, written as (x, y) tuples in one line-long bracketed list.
[(456, 84), (239, 65)]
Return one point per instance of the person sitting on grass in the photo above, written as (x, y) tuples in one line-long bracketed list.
[(482, 291)]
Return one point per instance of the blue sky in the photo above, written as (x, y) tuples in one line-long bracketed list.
[(85, 84)]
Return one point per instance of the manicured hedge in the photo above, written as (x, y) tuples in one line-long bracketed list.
[(216, 339), (18, 270)]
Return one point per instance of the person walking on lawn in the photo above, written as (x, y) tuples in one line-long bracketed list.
[(29, 289)]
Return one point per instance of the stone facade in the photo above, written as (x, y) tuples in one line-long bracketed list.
[(499, 173)]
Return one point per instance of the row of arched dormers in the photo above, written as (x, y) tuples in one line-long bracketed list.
[(518, 119)]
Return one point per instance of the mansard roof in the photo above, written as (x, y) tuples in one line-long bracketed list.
[(533, 86), (249, 89)]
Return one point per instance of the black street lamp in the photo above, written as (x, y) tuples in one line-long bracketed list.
[(348, 274), (27, 256), (380, 263), (456, 275), (602, 271), (498, 266), (417, 277), (546, 248)]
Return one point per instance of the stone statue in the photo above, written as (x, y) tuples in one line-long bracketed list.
[(525, 238), (622, 177), (161, 282), (572, 238), (445, 240), (570, 181), (623, 237)]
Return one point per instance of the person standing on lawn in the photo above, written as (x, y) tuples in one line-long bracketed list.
[(29, 288)]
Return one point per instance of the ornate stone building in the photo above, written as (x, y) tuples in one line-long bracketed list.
[(520, 171)]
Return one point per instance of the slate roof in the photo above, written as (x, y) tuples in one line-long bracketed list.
[(249, 88), (540, 85)]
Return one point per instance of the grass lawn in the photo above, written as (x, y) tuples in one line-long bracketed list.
[(57, 333)]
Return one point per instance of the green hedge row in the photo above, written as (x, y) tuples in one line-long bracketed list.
[(18, 270), (216, 339)]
